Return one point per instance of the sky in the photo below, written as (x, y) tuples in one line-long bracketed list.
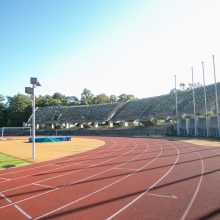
[(107, 46)]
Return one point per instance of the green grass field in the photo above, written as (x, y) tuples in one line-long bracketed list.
[(8, 161)]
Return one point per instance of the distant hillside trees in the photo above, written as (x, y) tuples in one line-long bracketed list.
[(17, 109)]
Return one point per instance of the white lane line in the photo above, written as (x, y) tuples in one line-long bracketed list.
[(75, 171), (166, 158), (142, 194), (83, 156), (99, 190), (164, 196), (46, 186), (218, 153), (45, 171), (6, 198), (196, 191), (22, 211), (4, 179), (124, 168), (16, 206), (74, 182), (37, 167), (87, 164)]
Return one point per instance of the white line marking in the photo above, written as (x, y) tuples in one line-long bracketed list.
[(99, 190), (22, 211), (196, 191), (123, 168), (79, 157), (75, 171), (29, 198), (4, 179), (50, 187), (58, 167), (165, 196), (16, 206), (218, 153), (142, 194), (7, 199)]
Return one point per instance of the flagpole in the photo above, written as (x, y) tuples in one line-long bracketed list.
[(176, 98), (194, 103), (216, 95), (206, 113)]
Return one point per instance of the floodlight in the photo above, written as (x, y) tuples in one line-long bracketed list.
[(29, 90), (33, 81)]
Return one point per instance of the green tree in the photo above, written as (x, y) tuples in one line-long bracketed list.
[(72, 100), (62, 98), (18, 110), (47, 100), (113, 98), (124, 97), (2, 111), (87, 97), (101, 99)]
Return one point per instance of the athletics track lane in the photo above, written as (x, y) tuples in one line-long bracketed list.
[(130, 178)]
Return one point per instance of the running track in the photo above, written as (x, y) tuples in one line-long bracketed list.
[(127, 178)]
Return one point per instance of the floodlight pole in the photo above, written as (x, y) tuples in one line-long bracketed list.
[(33, 123), (30, 91)]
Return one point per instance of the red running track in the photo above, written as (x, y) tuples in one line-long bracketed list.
[(127, 178)]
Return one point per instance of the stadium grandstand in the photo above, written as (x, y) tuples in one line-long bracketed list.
[(147, 112)]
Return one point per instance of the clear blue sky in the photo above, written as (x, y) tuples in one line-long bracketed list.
[(109, 46)]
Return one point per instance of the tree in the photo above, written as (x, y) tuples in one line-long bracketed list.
[(101, 99), (113, 98), (182, 86), (62, 98), (2, 111), (196, 85), (19, 109), (87, 97), (72, 100), (47, 100), (124, 97)]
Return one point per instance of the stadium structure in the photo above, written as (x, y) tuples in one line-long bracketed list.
[(138, 117)]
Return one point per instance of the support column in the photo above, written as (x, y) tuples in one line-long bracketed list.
[(178, 126), (96, 124), (208, 126), (135, 123), (111, 124), (187, 126), (197, 127), (218, 125), (125, 124)]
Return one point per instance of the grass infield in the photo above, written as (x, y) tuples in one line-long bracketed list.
[(7, 161)]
